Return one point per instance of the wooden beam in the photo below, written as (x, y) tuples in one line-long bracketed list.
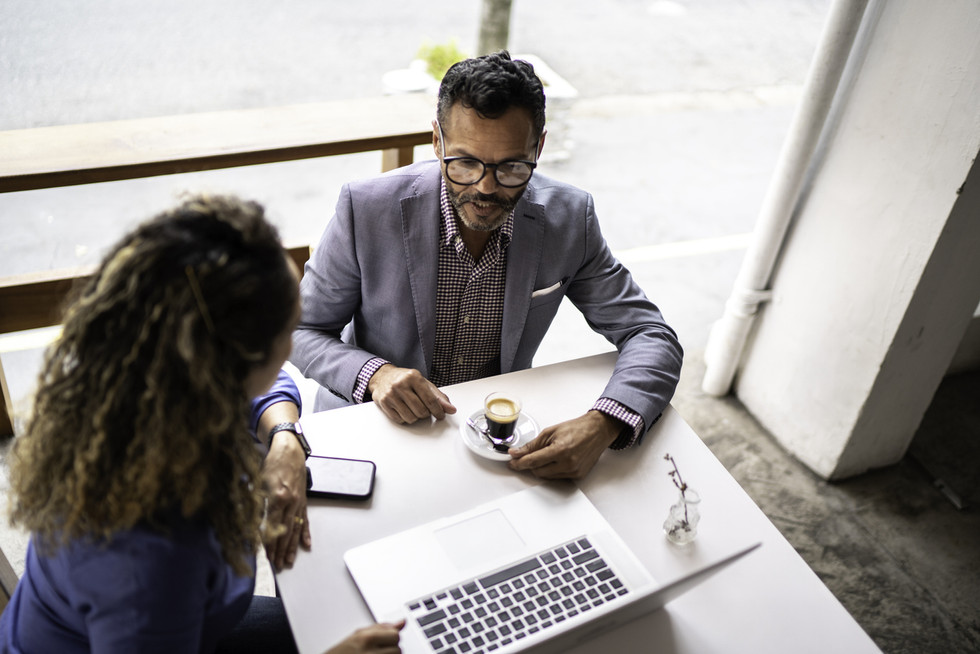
[(66, 155), (36, 299), (6, 408), (396, 158), (8, 581)]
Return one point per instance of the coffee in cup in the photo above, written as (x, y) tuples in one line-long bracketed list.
[(501, 411)]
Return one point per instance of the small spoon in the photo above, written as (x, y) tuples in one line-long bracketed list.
[(498, 445)]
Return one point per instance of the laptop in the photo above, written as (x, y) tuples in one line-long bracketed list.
[(538, 570)]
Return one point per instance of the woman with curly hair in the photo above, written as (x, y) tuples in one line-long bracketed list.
[(137, 474)]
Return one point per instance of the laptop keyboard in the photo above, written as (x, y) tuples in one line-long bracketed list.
[(489, 612)]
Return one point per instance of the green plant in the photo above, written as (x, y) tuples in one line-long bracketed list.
[(439, 57)]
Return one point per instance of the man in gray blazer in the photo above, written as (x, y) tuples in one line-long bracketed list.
[(450, 270)]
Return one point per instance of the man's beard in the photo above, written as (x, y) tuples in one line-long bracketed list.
[(504, 203)]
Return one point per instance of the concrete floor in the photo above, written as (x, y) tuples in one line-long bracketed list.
[(889, 544)]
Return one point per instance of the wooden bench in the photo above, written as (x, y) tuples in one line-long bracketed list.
[(48, 157)]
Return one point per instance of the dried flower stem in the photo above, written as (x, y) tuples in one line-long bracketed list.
[(675, 476)]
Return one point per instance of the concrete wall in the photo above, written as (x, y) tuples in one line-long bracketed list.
[(880, 275)]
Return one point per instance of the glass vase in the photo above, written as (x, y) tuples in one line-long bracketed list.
[(681, 525)]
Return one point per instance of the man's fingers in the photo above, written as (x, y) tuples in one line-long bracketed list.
[(438, 404)]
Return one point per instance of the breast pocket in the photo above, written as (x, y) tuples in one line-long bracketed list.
[(548, 294)]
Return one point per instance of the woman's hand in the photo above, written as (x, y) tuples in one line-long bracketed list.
[(381, 638), (284, 474)]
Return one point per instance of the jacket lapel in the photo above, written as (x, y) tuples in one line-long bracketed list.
[(523, 257), (420, 239)]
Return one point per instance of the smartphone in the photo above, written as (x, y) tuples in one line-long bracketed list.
[(331, 477)]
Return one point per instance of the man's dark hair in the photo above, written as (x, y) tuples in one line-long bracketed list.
[(491, 85)]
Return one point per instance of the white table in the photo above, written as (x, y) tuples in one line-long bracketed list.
[(768, 602)]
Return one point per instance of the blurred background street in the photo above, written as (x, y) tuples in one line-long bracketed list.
[(681, 109)]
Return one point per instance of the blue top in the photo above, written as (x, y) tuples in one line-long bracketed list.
[(144, 591), (283, 390)]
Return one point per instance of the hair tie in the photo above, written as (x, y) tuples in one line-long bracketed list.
[(199, 297)]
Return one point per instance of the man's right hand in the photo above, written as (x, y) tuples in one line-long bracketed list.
[(406, 396)]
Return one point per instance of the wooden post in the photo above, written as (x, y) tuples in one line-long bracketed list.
[(6, 408)]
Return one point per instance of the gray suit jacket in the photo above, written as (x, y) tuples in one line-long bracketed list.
[(370, 288)]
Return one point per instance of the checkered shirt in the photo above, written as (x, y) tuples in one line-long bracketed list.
[(469, 313)]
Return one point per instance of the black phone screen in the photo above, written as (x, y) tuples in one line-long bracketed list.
[(340, 478)]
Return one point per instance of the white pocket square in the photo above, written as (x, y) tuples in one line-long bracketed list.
[(545, 291)]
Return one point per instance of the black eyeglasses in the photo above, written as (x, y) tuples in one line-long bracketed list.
[(467, 171)]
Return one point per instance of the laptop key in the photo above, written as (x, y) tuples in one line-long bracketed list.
[(471, 588), (435, 630), (598, 564), (429, 618), (585, 556), (509, 573)]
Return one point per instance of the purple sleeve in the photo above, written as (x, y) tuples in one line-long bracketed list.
[(283, 390)]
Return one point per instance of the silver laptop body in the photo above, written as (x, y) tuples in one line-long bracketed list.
[(538, 570)]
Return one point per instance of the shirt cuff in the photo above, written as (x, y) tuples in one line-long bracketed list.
[(364, 376), (633, 427)]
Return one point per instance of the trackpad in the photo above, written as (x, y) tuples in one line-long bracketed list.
[(479, 539)]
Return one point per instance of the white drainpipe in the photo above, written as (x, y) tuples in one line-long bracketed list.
[(727, 339)]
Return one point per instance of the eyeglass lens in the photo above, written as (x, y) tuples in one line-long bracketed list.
[(470, 171)]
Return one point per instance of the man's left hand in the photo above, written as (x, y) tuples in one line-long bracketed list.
[(569, 449)]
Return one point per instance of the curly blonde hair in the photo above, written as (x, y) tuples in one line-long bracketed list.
[(141, 412)]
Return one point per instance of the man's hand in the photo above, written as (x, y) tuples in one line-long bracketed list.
[(405, 396), (381, 638), (284, 476), (569, 449)]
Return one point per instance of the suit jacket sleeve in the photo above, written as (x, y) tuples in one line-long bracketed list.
[(650, 355), (331, 294)]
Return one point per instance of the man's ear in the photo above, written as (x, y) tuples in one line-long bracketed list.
[(544, 133), (435, 139)]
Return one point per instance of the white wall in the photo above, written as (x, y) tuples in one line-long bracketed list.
[(880, 275)]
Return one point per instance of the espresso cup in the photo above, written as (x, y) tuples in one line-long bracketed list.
[(501, 411)]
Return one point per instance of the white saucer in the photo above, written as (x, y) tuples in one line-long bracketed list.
[(526, 431)]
